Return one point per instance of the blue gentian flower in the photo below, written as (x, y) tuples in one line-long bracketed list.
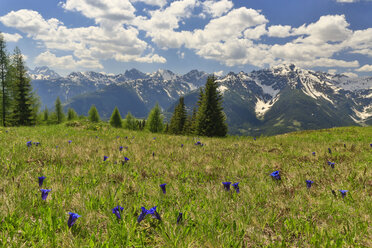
[(226, 185), (236, 187), (145, 212), (105, 158), (153, 154), (343, 192), (332, 164), (313, 153), (117, 137), (73, 217), (162, 186), (179, 218), (344, 145), (370, 145), (120, 148), (198, 143), (36, 143), (126, 159), (69, 141), (41, 180), (276, 175), (29, 143), (329, 150), (181, 145), (116, 210), (254, 138), (44, 193), (309, 183)]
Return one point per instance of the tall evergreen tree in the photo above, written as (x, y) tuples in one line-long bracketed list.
[(115, 119), (4, 83), (60, 116), (178, 119), (189, 127), (154, 121), (93, 115), (130, 122), (23, 98), (71, 114), (46, 115), (210, 118)]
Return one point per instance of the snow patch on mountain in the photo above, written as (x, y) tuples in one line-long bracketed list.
[(267, 89), (222, 89), (362, 115), (262, 106)]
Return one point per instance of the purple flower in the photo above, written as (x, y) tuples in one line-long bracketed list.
[(332, 164), (162, 186), (309, 183), (313, 153), (370, 145), (145, 212), (41, 180), (276, 175), (117, 137), (29, 143), (105, 158), (182, 145), (116, 210), (120, 148), (69, 141), (329, 150), (153, 154), (44, 193), (236, 187), (254, 138), (226, 185), (343, 192), (179, 218), (72, 219), (198, 143), (36, 143)]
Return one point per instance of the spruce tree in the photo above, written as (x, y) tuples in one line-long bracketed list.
[(4, 82), (210, 118), (23, 98), (115, 119), (178, 119), (71, 114), (130, 122), (60, 116), (46, 115), (93, 115), (154, 121)]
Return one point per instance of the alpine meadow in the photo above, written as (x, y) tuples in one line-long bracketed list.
[(185, 123)]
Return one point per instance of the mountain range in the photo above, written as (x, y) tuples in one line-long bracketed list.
[(269, 101)]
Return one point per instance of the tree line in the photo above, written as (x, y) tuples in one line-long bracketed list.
[(20, 106)]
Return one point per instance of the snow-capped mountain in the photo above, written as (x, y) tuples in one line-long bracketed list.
[(275, 100), (43, 73)]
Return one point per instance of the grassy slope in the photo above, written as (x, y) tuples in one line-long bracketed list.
[(265, 213)]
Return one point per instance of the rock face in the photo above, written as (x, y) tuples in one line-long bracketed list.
[(270, 101)]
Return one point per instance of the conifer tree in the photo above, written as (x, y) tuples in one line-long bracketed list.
[(93, 115), (71, 114), (60, 116), (210, 118), (45, 114), (115, 119), (154, 121), (4, 83), (23, 98), (130, 122), (178, 119)]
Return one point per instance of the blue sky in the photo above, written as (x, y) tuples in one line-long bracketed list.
[(212, 35)]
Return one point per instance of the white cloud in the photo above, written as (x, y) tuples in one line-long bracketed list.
[(350, 74), (159, 3), (181, 55), (255, 33), (65, 62), (12, 37), (346, 1), (365, 68), (218, 73), (327, 62), (280, 31), (217, 8), (332, 71)]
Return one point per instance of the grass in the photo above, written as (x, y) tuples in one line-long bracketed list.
[(266, 213)]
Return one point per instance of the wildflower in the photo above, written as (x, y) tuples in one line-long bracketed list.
[(198, 143), (236, 187), (226, 185), (36, 143), (41, 180), (29, 143), (329, 150), (125, 160), (334, 193), (44, 193), (332, 164), (370, 145), (343, 192), (72, 219), (162, 186), (276, 175), (254, 138), (313, 153), (182, 145), (145, 212), (116, 210), (309, 183), (105, 158), (153, 154), (344, 145), (69, 141), (117, 137), (120, 148), (179, 218)]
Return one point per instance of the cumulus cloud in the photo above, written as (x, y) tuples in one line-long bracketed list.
[(365, 68), (346, 1), (280, 31), (12, 37), (159, 3), (350, 74), (217, 8)]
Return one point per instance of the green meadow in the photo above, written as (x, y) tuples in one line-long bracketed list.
[(266, 212)]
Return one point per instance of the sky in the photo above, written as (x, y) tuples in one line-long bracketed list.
[(217, 36)]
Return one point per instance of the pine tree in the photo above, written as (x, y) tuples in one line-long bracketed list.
[(154, 121), (71, 114), (178, 119), (130, 122), (210, 118), (46, 115), (4, 82), (93, 115), (60, 116), (23, 98), (115, 119)]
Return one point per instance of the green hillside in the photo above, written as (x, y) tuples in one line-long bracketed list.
[(266, 212)]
